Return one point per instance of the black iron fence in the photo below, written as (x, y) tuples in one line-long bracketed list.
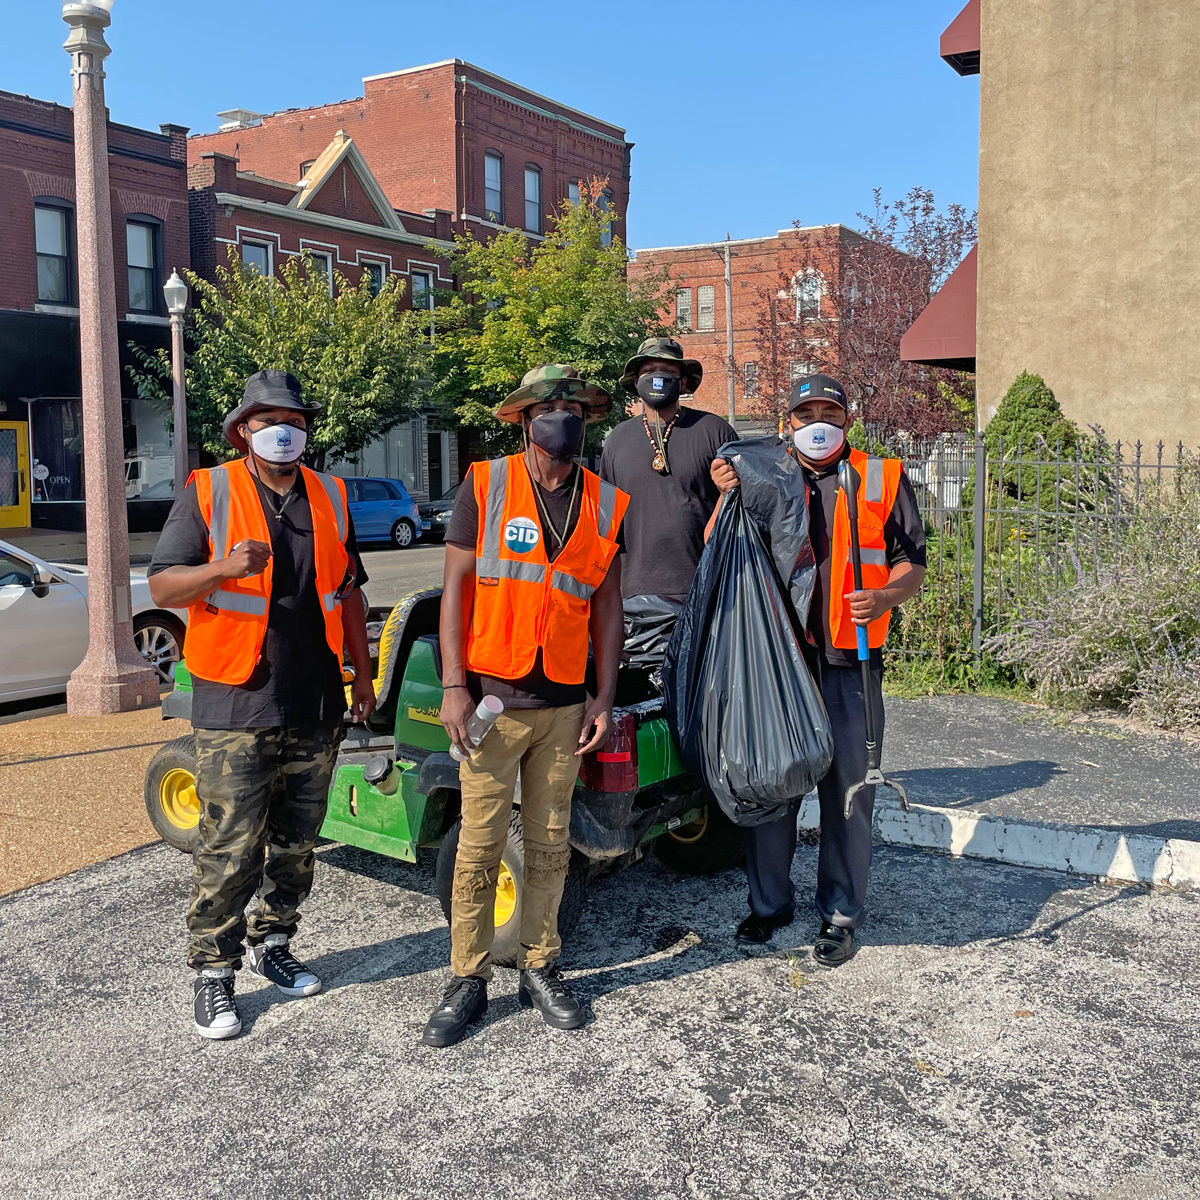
[(1043, 517)]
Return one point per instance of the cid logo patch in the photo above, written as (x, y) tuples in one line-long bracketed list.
[(521, 535)]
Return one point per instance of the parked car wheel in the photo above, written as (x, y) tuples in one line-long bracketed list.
[(506, 947), (403, 534), (171, 800), (707, 845), (159, 639)]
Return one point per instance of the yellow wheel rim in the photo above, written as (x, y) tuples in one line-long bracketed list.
[(178, 799), (506, 896), (693, 832)]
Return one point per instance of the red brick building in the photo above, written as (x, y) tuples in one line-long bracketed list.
[(800, 266), (340, 216), (365, 184), (447, 136), (41, 460)]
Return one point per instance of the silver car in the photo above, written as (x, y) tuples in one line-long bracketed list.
[(44, 624)]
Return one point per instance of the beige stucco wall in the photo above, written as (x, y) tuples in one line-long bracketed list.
[(1089, 210)]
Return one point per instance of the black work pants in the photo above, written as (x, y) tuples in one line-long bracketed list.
[(844, 858)]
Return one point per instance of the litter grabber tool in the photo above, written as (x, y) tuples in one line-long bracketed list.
[(848, 481)]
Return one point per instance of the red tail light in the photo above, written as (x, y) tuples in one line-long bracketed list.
[(615, 767)]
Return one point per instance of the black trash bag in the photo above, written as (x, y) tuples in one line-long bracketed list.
[(649, 623), (748, 718)]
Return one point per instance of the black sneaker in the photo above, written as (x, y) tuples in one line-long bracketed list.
[(213, 1005), (463, 1002), (274, 961), (545, 989)]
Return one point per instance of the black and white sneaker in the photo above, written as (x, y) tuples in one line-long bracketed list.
[(273, 961), (213, 1005)]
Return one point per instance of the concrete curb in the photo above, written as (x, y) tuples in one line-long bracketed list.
[(1076, 849)]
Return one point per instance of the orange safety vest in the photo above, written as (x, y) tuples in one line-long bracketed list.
[(524, 603), (226, 628), (876, 494)]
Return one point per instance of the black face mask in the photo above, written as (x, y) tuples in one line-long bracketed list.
[(658, 390), (558, 433)]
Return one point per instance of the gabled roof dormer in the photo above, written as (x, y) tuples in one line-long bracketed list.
[(324, 188)]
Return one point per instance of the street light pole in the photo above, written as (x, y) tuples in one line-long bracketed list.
[(176, 293), (730, 366), (113, 677)]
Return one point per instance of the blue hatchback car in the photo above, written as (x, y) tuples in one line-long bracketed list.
[(383, 511)]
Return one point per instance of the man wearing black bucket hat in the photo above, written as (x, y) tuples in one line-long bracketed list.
[(662, 458), (261, 551), (894, 546)]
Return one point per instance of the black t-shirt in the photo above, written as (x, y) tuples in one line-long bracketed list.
[(664, 527), (298, 680), (533, 690), (903, 538)]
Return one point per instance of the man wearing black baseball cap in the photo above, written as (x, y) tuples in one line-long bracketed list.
[(261, 552), (893, 540)]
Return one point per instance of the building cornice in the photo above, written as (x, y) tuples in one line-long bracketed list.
[(517, 102), (324, 221), (767, 237)]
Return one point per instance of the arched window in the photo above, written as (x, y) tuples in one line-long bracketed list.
[(808, 287), (493, 187), (533, 198)]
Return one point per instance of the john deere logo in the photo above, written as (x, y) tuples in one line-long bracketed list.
[(521, 535)]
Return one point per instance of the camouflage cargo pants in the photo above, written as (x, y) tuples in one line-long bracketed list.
[(263, 795)]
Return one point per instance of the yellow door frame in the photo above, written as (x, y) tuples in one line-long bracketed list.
[(17, 516)]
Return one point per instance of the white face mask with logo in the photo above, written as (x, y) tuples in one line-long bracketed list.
[(278, 443), (819, 440)]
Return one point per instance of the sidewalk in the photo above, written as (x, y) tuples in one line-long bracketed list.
[(71, 791), (70, 545)]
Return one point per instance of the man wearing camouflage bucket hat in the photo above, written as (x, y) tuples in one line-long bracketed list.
[(662, 458), (532, 574)]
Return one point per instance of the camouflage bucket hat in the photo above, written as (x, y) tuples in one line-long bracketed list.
[(669, 350), (553, 382)]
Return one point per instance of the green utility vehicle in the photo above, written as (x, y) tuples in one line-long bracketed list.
[(395, 788)]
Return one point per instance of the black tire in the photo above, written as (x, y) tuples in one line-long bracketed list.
[(174, 813), (711, 844), (506, 948), (159, 639), (404, 534)]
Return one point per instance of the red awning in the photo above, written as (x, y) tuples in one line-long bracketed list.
[(960, 42), (944, 334)]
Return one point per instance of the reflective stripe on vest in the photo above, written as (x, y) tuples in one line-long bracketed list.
[(880, 480), (524, 603), (226, 628)]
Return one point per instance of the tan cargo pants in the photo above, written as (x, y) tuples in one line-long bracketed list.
[(538, 744)]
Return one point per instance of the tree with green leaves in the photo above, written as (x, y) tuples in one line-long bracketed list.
[(524, 304), (356, 353)]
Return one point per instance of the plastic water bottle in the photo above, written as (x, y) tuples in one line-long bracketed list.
[(482, 720)]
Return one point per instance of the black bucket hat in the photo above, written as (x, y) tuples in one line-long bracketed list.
[(266, 389), (817, 387), (668, 350)]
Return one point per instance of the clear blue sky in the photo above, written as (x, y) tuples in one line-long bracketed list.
[(745, 116)]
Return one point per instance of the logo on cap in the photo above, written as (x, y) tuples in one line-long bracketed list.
[(805, 388), (521, 535)]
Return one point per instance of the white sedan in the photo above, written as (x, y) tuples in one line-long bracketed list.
[(44, 624)]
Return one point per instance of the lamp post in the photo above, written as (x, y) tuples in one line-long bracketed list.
[(176, 292), (113, 676)]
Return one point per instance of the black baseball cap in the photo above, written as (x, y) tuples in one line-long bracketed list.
[(817, 387)]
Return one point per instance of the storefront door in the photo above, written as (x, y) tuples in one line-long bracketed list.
[(14, 474)]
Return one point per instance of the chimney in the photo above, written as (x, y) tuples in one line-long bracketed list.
[(178, 135)]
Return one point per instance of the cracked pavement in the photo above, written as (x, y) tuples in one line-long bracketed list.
[(1002, 1033)]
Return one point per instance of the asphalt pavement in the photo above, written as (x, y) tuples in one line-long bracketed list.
[(394, 573), (1003, 1033)]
